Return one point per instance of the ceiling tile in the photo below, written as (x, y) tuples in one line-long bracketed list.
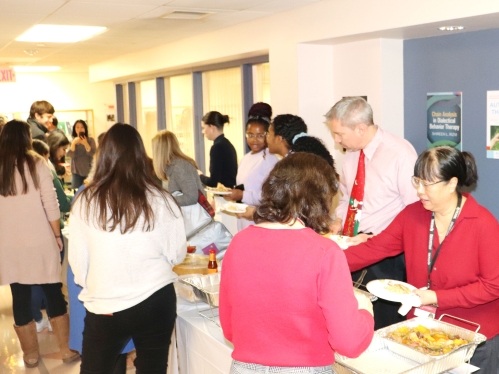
[(218, 4), (276, 6), (99, 9), (30, 6)]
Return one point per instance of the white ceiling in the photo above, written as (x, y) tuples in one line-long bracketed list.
[(133, 25)]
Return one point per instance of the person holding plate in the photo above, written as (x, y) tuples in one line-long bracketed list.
[(256, 165), (223, 156), (307, 310), (450, 247)]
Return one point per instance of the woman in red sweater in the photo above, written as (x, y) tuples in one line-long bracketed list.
[(286, 295), (463, 279)]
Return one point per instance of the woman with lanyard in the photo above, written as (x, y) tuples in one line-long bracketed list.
[(450, 247)]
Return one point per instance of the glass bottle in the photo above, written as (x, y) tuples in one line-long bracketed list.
[(212, 264)]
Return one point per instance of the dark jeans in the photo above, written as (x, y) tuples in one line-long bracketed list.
[(486, 357), (150, 325), (77, 181), (38, 301), (21, 301)]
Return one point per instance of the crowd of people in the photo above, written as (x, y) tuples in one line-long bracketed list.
[(409, 218)]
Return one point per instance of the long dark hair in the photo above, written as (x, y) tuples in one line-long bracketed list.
[(74, 134), (55, 140), (15, 152), (301, 186), (122, 181)]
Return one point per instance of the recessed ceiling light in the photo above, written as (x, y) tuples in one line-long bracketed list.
[(451, 28), (36, 69), (30, 52), (182, 14), (59, 33)]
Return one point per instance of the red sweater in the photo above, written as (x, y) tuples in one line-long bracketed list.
[(465, 276), (286, 299)]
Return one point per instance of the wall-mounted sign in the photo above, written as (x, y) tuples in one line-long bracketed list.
[(7, 75), (443, 114), (493, 124)]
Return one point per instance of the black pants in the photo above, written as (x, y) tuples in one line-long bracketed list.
[(150, 324), (21, 301), (486, 357)]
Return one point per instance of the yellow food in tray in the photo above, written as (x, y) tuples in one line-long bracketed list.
[(428, 341)]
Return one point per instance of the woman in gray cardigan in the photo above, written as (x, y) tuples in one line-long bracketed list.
[(177, 170)]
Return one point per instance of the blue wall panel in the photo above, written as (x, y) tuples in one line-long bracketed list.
[(466, 62)]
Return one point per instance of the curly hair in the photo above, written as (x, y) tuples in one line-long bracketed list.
[(301, 186), (287, 126)]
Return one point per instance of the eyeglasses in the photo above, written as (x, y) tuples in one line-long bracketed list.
[(260, 136), (418, 182)]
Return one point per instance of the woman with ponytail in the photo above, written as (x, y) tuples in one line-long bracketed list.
[(223, 156), (450, 246)]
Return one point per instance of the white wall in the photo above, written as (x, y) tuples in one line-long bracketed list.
[(373, 68), (65, 91)]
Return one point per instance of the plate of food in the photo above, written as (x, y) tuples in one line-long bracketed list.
[(391, 290), (235, 207), (220, 189), (341, 240)]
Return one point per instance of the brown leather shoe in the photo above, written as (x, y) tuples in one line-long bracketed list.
[(60, 326), (29, 343)]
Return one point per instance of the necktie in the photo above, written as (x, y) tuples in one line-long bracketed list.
[(351, 227)]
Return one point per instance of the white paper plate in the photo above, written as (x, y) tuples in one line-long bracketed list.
[(235, 207), (379, 288), (340, 240), (215, 192)]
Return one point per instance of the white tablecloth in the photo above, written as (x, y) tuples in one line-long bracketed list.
[(201, 346)]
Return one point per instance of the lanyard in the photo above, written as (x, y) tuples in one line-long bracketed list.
[(431, 261)]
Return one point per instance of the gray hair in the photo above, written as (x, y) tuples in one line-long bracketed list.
[(351, 111)]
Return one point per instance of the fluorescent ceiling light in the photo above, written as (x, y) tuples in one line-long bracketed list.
[(36, 69), (59, 33), (451, 28)]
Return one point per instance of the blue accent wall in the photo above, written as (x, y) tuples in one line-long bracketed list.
[(466, 62)]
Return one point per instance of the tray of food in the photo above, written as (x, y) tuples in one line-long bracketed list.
[(220, 189), (418, 345), (206, 288)]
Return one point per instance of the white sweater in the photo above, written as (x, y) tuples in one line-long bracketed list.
[(118, 271)]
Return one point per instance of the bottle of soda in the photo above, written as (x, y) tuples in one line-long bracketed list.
[(212, 264)]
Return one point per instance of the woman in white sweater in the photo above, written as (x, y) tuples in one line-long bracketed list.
[(126, 234)]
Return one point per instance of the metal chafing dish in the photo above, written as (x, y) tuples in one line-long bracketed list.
[(385, 356), (206, 288)]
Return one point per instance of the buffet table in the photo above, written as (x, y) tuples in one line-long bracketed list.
[(201, 346), (202, 349)]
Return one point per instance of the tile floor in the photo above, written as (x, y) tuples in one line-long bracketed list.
[(11, 356)]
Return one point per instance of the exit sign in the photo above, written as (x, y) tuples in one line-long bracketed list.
[(7, 75)]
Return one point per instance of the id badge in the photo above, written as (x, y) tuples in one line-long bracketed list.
[(427, 311)]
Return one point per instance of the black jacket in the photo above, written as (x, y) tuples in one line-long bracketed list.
[(37, 130), (223, 164)]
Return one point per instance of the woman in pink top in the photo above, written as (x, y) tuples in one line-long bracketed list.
[(30, 239), (286, 295)]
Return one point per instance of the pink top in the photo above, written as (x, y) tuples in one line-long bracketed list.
[(286, 299), (28, 250), (465, 275), (389, 164)]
